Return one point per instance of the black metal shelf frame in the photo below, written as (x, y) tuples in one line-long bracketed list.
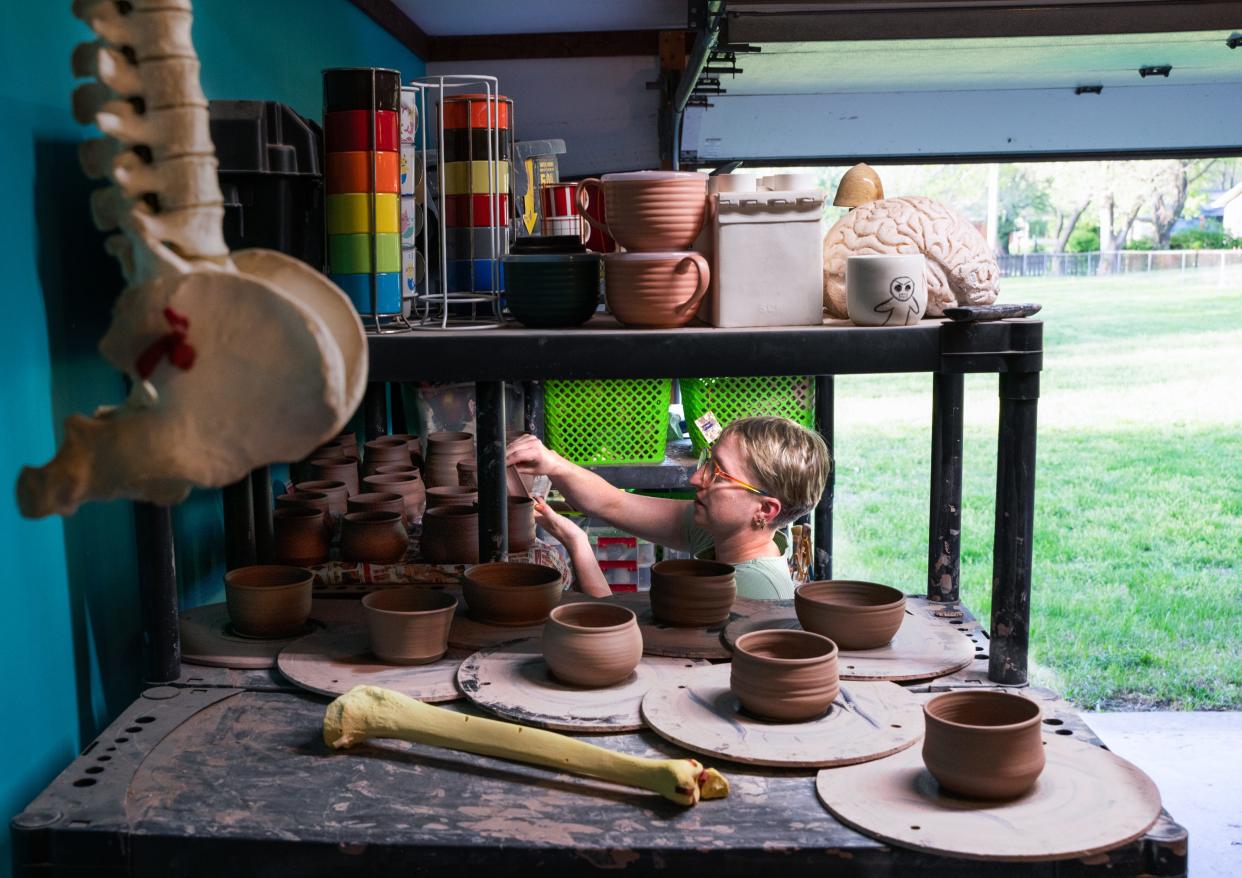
[(602, 349)]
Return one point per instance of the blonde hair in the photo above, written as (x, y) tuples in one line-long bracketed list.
[(787, 460)]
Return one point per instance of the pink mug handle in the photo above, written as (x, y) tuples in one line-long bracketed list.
[(581, 195), (705, 276)]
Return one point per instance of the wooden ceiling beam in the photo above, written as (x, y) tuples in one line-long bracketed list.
[(387, 15)]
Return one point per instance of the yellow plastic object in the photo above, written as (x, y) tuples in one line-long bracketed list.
[(366, 712), (347, 214)]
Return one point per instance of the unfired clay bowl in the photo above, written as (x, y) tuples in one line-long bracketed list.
[(983, 745), (385, 450), (268, 600), (312, 499), (339, 469), (521, 523), (511, 593), (378, 501), (337, 491), (451, 495), (444, 450), (409, 626), (408, 485), (783, 675), (373, 537), (592, 644), (854, 615), (300, 536), (450, 535), (689, 593)]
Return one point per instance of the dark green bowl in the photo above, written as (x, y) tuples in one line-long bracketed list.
[(552, 290)]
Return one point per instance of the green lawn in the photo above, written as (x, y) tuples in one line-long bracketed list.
[(1137, 586)]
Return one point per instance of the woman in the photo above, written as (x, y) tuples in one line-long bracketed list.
[(761, 474)]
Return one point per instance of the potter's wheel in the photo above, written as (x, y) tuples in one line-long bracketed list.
[(666, 640), (208, 638), (924, 647), (1086, 801), (512, 681), (867, 721), (336, 659)]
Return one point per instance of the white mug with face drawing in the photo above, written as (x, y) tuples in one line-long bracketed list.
[(886, 289)]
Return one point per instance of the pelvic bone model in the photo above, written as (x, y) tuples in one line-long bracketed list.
[(960, 266), (237, 360), (367, 712)]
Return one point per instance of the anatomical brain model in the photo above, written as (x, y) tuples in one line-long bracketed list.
[(236, 359), (960, 266)]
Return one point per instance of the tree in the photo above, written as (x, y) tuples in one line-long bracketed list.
[(1172, 181)]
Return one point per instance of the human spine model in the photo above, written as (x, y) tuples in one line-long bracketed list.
[(236, 360)]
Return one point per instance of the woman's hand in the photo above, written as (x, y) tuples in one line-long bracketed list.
[(532, 457), (589, 578), (558, 526)]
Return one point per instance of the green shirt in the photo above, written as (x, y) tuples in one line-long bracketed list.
[(761, 578)]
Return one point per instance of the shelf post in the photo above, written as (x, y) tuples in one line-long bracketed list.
[(157, 582), (490, 423), (375, 410), (239, 533), (824, 422), (944, 544), (1015, 521)]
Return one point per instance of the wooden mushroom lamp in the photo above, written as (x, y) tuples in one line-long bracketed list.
[(367, 712)]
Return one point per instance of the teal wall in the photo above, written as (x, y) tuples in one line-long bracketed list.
[(71, 650)]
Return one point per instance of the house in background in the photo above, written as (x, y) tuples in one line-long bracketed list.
[(1227, 206)]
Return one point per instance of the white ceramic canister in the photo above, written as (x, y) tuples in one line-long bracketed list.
[(886, 289)]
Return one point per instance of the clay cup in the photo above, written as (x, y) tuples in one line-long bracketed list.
[(659, 290), (592, 644), (648, 210), (689, 593), (983, 744), (521, 523), (511, 593), (854, 615), (783, 675), (373, 537), (300, 536), (268, 600), (450, 535), (409, 626)]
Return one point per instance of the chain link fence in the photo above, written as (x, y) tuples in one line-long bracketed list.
[(1116, 262)]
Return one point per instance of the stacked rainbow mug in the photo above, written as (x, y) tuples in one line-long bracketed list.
[(477, 148), (362, 178)]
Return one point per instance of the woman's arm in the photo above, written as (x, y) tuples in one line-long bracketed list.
[(588, 577), (655, 519)]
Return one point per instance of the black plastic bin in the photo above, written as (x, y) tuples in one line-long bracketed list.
[(271, 174)]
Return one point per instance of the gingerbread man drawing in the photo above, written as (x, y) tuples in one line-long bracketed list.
[(901, 307)]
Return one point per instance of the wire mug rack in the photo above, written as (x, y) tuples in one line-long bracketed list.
[(436, 305)]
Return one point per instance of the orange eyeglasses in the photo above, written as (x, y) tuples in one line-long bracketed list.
[(713, 472)]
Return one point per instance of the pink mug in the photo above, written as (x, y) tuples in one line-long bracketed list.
[(655, 290), (655, 211)]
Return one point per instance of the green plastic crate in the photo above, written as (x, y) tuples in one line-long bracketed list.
[(788, 396), (602, 422)]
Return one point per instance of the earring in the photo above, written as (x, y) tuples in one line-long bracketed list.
[(759, 524)]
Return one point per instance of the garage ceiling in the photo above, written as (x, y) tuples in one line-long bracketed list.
[(1197, 58)]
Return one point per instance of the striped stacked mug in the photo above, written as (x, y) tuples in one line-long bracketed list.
[(362, 179), (477, 150)]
